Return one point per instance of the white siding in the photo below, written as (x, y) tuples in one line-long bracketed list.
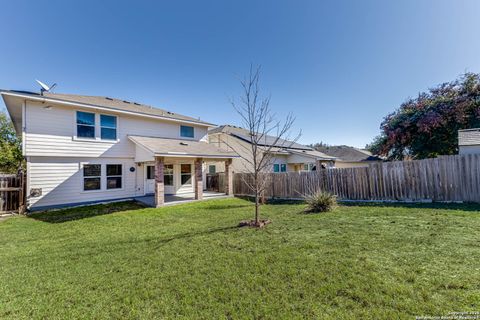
[(298, 158), (141, 175), (230, 143), (469, 137), (242, 148), (61, 180), (50, 132)]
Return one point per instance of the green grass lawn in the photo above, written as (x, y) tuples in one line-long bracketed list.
[(191, 261)]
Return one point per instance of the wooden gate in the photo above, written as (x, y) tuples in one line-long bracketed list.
[(212, 182), (216, 182), (12, 193)]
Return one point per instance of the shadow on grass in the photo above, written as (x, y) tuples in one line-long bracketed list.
[(226, 206), (415, 205), (420, 205), (193, 234), (273, 201), (77, 213)]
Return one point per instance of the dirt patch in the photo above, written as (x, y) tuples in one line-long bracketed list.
[(252, 223)]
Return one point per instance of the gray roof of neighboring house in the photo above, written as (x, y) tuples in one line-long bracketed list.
[(469, 137), (314, 153), (244, 134), (348, 154), (111, 103), (179, 147)]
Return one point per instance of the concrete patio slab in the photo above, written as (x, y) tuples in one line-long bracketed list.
[(149, 200)]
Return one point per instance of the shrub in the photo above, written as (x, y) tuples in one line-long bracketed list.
[(320, 201)]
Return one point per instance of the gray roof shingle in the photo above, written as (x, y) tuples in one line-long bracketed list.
[(348, 154), (180, 147), (244, 134), (111, 103)]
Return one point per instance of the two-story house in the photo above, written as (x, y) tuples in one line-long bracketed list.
[(85, 149), (288, 156)]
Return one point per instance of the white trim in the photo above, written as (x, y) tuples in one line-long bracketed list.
[(183, 137), (122, 176), (27, 192), (82, 164), (103, 177), (24, 127), (180, 155), (88, 106), (97, 126)]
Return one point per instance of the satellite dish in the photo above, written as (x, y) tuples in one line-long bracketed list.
[(45, 87)]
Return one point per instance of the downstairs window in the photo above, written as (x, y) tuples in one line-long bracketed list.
[(114, 176), (92, 177)]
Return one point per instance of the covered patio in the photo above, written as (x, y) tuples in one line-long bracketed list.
[(149, 200), (176, 169)]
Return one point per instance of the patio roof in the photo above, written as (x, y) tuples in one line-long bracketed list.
[(166, 147)]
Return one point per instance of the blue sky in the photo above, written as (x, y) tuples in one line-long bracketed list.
[(339, 66)]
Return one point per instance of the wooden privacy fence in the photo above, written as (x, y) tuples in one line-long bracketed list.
[(12, 192), (447, 178)]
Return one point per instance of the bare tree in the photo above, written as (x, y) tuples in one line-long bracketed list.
[(267, 135)]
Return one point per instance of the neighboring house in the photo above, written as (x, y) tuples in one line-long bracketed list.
[(288, 156), (83, 149), (469, 141), (349, 157)]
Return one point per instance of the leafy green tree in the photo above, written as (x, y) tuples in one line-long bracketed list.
[(427, 126), (11, 158)]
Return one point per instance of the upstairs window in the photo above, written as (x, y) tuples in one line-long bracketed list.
[(114, 176), (108, 127), (85, 125), (276, 167), (283, 167), (92, 176), (186, 132)]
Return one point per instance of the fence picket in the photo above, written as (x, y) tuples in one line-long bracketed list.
[(447, 178)]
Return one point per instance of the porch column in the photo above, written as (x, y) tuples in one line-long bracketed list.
[(228, 177), (318, 165), (159, 185), (198, 179)]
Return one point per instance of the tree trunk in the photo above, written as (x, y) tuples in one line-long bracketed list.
[(257, 203)]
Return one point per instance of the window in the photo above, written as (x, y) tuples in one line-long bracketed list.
[(108, 127), (186, 173), (276, 167), (85, 125), (283, 167), (212, 169), (168, 174), (186, 131), (114, 176), (150, 172), (309, 166), (92, 177)]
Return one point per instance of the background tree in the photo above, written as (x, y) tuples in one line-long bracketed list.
[(10, 146), (320, 144), (428, 125), (266, 135)]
